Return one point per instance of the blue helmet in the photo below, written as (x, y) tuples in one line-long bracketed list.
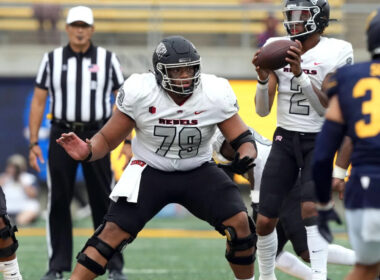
[(373, 33)]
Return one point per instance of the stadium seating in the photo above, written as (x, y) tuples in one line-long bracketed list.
[(162, 16)]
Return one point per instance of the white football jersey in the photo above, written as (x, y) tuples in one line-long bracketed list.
[(173, 137), (263, 149), (294, 111)]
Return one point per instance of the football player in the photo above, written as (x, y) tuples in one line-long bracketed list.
[(8, 244), (354, 93), (175, 111), (300, 109), (290, 226)]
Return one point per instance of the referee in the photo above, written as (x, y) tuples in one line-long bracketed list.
[(79, 79)]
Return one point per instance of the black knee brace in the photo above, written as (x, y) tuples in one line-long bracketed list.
[(103, 248), (6, 232), (240, 244)]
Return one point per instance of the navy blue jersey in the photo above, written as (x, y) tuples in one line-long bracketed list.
[(358, 89)]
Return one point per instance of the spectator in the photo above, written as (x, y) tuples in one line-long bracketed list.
[(47, 13), (20, 189), (271, 23)]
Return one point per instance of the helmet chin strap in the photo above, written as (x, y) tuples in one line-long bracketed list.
[(301, 38)]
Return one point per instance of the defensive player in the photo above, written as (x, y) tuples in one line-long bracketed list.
[(175, 112), (300, 108), (290, 226), (354, 93), (8, 244)]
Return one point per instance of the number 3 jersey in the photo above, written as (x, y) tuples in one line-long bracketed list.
[(169, 136), (294, 111)]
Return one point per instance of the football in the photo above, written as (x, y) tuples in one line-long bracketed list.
[(272, 55)]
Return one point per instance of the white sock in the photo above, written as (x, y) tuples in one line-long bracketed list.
[(252, 278), (293, 266), (10, 270), (266, 255), (340, 255), (318, 252)]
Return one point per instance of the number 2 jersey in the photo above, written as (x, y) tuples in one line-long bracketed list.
[(169, 136), (294, 111)]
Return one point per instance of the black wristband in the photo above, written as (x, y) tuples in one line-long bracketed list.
[(32, 144), (88, 157), (264, 82), (127, 141)]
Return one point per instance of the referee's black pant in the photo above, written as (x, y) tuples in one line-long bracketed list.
[(61, 181)]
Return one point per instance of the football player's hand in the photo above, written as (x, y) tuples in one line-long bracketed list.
[(324, 216), (339, 186), (74, 146), (35, 155), (295, 59), (262, 74), (239, 165), (126, 150)]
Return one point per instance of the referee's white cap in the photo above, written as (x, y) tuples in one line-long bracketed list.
[(80, 13)]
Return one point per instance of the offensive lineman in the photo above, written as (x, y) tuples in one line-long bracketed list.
[(290, 226), (175, 112), (8, 244), (301, 105)]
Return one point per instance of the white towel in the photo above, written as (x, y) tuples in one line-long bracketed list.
[(129, 184)]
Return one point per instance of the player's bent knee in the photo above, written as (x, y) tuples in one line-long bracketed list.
[(103, 248), (309, 209), (237, 244), (265, 225), (8, 232)]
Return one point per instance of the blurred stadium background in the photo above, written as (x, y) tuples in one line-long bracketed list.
[(224, 31)]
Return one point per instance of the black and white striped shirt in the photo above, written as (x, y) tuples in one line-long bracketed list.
[(80, 84)]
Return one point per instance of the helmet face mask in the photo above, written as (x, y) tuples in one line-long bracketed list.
[(305, 17), (177, 84), (173, 57)]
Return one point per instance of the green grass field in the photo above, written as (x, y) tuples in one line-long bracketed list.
[(197, 254)]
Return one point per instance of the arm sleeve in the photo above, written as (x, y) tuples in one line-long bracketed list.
[(43, 77), (117, 74)]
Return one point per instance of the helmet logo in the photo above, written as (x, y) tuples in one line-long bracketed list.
[(161, 50)]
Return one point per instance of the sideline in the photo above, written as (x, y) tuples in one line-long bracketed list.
[(149, 233), (145, 233)]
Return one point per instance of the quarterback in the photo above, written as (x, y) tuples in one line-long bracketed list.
[(300, 109), (175, 111), (290, 226)]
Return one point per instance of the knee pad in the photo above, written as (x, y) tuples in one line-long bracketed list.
[(240, 244), (5, 233), (103, 248)]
